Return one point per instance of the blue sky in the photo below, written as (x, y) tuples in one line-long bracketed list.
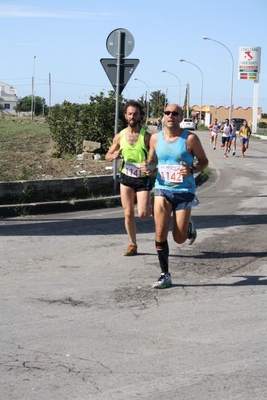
[(69, 37)]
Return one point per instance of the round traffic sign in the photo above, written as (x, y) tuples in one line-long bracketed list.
[(127, 42)]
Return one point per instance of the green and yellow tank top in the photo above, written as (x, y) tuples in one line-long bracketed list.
[(133, 155)]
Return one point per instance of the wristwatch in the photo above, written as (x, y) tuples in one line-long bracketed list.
[(194, 170)]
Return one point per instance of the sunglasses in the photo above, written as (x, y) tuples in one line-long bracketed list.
[(174, 113)]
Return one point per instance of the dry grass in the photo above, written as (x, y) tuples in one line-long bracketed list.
[(26, 153)]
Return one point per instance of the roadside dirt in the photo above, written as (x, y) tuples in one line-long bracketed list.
[(28, 165)]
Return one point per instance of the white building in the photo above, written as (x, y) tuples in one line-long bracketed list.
[(8, 98)]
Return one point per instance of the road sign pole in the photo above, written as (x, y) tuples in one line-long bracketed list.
[(120, 44), (116, 128)]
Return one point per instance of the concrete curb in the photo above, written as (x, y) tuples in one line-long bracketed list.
[(14, 210), (49, 207)]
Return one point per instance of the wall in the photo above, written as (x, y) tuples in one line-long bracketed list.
[(55, 189), (222, 112)]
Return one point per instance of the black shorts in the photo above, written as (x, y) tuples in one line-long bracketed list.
[(138, 184), (225, 139)]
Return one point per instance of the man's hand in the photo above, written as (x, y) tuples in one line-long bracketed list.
[(116, 154), (144, 168), (185, 170)]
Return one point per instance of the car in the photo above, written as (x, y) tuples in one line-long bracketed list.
[(187, 123), (221, 123), (238, 122)]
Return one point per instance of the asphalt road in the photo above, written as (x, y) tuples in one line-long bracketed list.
[(80, 321)]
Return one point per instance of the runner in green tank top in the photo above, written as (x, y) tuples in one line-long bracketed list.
[(132, 144)]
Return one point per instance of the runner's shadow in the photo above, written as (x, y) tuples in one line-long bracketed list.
[(249, 280)]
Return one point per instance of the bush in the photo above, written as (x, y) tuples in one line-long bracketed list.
[(262, 124), (70, 124)]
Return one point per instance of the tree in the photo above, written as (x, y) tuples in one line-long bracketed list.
[(72, 123), (157, 103), (39, 105)]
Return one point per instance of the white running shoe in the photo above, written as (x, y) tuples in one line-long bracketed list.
[(163, 282)]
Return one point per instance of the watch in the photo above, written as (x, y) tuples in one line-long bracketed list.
[(194, 169)]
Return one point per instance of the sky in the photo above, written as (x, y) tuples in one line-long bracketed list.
[(65, 40)]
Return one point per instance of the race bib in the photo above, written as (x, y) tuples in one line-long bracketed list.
[(133, 170), (171, 173)]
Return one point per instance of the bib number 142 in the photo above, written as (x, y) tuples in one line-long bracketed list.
[(171, 173)]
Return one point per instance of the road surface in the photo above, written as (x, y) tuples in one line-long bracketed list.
[(80, 321)]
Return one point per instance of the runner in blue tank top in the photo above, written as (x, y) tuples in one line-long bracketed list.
[(172, 152)]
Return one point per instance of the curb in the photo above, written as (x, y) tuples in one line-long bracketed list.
[(15, 210), (50, 207)]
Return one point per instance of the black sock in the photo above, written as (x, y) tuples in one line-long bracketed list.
[(189, 231), (163, 255)]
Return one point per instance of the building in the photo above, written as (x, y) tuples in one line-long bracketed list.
[(221, 113), (8, 98)]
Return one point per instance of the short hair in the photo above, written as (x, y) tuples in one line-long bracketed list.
[(136, 104), (180, 110)]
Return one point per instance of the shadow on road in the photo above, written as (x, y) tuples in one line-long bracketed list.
[(112, 225), (253, 280)]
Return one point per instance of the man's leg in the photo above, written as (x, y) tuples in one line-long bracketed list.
[(225, 147), (180, 225), (144, 204), (229, 145), (234, 146), (162, 212), (243, 148), (127, 201), (215, 141)]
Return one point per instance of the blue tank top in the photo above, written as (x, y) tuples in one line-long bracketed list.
[(169, 157)]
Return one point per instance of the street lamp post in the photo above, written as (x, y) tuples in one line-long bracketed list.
[(201, 96), (32, 102), (232, 74), (164, 70), (147, 97)]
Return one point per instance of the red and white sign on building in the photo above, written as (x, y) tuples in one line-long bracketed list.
[(249, 63)]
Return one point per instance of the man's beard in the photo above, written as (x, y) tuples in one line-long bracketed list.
[(133, 123)]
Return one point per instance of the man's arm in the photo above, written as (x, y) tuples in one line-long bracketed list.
[(114, 150), (152, 160), (147, 138), (151, 163), (195, 147)]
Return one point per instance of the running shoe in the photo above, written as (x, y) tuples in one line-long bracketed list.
[(214, 148), (192, 233), (163, 282), (228, 150), (131, 250), (225, 155), (233, 153)]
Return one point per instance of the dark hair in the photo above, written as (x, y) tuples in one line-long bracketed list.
[(136, 104)]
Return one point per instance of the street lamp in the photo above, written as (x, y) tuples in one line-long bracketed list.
[(164, 70), (232, 74), (32, 102), (201, 96), (147, 96)]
